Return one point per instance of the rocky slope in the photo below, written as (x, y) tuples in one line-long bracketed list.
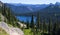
[(11, 30), (6, 15), (7, 19)]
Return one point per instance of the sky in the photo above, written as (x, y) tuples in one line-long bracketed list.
[(31, 1)]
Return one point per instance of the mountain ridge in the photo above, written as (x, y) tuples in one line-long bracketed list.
[(26, 8), (29, 8)]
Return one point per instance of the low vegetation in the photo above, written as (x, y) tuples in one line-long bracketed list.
[(3, 32), (27, 32)]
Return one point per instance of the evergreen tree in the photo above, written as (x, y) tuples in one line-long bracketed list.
[(54, 29), (27, 24), (44, 25), (32, 25), (38, 22), (32, 22), (50, 26), (56, 26), (0, 17)]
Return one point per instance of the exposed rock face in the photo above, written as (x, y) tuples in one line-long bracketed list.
[(1, 4), (2, 17), (22, 25), (11, 30)]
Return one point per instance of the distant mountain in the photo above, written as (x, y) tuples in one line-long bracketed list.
[(29, 9), (50, 9), (25, 8), (57, 3)]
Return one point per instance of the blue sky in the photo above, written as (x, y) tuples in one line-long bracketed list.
[(31, 1)]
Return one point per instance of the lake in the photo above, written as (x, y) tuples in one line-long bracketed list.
[(24, 18)]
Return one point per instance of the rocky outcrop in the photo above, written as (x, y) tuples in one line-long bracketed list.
[(1, 4), (22, 25), (11, 30)]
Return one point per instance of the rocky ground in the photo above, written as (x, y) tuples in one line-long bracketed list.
[(11, 30)]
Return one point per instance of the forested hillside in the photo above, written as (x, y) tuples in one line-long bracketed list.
[(7, 16)]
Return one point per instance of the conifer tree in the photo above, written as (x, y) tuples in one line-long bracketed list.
[(27, 24), (32, 22), (57, 25), (38, 22), (32, 25), (50, 26), (0, 17), (44, 25)]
